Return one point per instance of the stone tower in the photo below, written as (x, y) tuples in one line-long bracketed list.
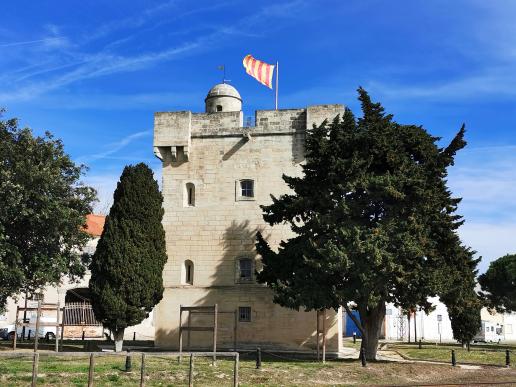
[(216, 174)]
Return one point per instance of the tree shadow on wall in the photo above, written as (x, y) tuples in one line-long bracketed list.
[(237, 240)]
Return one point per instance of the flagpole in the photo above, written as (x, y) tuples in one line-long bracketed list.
[(277, 72)]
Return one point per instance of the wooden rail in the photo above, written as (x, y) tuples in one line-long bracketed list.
[(92, 355)]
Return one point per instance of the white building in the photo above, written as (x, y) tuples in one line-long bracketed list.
[(79, 316)]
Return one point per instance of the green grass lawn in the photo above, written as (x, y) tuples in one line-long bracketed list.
[(166, 371), (484, 354)]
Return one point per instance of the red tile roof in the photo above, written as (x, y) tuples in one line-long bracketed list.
[(94, 224)]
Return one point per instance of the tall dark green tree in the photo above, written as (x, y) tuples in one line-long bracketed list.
[(460, 297), (43, 206), (126, 269), (499, 284), (373, 218), (465, 318)]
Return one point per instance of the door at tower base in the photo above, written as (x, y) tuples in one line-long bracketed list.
[(258, 321)]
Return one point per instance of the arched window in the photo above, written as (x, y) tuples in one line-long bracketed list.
[(219, 108), (187, 273), (190, 194)]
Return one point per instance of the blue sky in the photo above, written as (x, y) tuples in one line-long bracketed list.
[(93, 73)]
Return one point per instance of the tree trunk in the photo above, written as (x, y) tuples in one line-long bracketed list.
[(118, 335), (408, 325), (372, 320)]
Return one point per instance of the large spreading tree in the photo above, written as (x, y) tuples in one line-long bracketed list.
[(499, 284), (43, 209), (126, 269), (373, 219)]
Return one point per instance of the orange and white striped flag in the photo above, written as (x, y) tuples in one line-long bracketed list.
[(261, 71)]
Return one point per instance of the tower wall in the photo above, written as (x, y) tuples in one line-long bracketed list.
[(222, 226)]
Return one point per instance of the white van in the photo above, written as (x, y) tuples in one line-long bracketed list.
[(47, 332), (489, 333)]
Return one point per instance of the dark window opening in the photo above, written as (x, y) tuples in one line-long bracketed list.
[(247, 188), (246, 269), (190, 192), (244, 314), (219, 108), (188, 273)]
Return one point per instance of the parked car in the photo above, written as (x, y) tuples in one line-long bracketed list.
[(47, 332)]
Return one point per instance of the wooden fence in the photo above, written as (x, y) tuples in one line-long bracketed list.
[(92, 355)]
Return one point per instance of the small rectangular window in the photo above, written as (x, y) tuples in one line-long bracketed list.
[(244, 314), (247, 188), (246, 269)]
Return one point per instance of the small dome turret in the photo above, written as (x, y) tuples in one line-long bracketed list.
[(223, 98)]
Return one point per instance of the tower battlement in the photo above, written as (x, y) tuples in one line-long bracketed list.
[(173, 131)]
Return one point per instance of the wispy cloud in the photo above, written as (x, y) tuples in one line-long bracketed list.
[(48, 41), (111, 101), (114, 147), (486, 180), (500, 82), (86, 66), (130, 22)]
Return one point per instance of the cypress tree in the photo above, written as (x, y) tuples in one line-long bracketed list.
[(126, 269), (373, 218)]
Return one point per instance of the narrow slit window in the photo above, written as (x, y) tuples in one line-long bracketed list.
[(247, 188), (190, 194), (244, 314), (188, 272)]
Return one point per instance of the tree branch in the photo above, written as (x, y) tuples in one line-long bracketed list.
[(355, 320)]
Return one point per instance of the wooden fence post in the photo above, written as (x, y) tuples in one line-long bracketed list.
[(235, 331), (142, 371), (317, 330), (324, 337), (235, 370), (16, 327), (35, 361), (188, 333), (90, 370), (57, 324), (63, 326), (180, 332), (215, 334), (190, 371)]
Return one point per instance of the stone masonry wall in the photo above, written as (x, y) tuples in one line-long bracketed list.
[(221, 228)]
